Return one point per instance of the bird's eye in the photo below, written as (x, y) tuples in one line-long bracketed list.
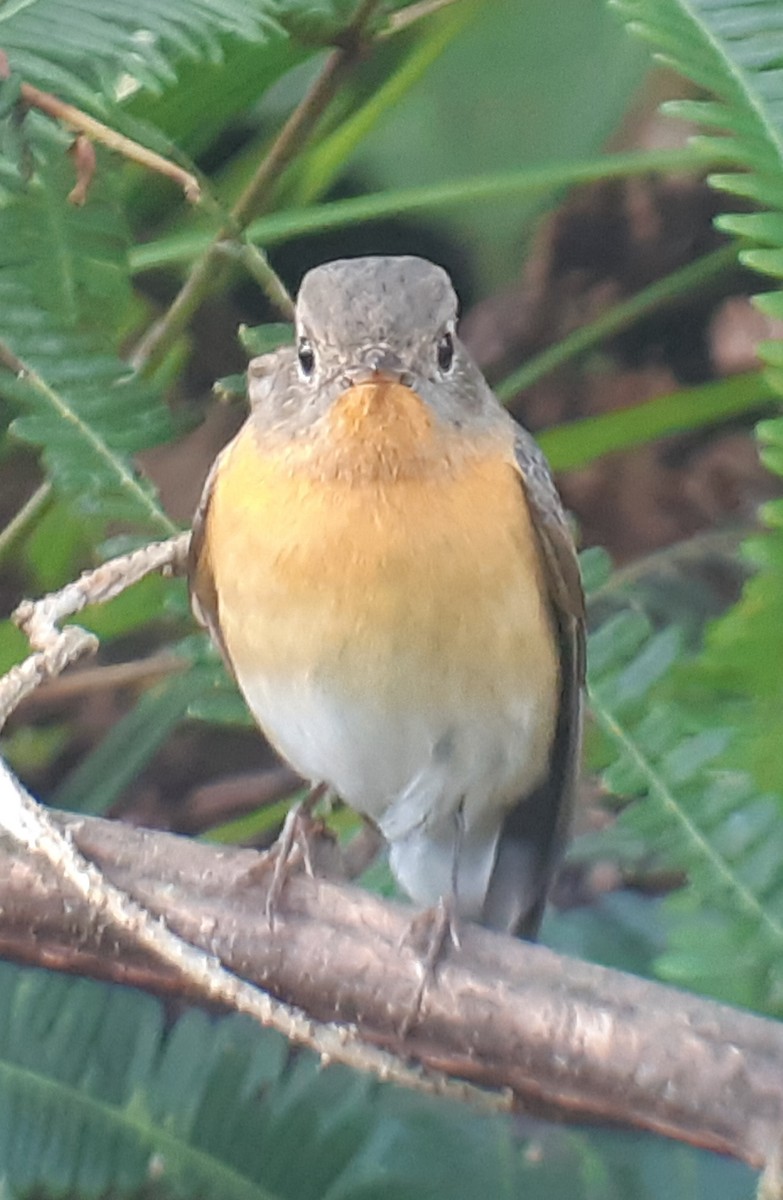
[(306, 357), (445, 351)]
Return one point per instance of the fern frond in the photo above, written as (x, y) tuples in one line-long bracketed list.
[(72, 259), (98, 1098), (84, 409), (694, 816), (732, 49), (81, 49), (64, 295)]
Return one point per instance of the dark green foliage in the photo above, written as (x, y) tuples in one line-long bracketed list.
[(97, 1096), (100, 1096), (731, 50), (690, 813), (64, 293), (85, 410), (80, 49)]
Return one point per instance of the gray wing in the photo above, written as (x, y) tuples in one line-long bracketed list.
[(534, 833)]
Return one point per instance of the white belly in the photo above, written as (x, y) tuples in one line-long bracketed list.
[(413, 771)]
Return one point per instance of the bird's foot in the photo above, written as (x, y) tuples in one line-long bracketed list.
[(294, 848), (428, 933)]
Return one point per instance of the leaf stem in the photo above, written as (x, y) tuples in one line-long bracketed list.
[(27, 513), (260, 269), (577, 443), (96, 131), (283, 226), (413, 13)]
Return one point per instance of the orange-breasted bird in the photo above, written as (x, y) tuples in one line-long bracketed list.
[(383, 559)]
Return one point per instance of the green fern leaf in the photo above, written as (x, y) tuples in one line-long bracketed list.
[(732, 49), (64, 295), (84, 409), (98, 1098), (82, 49), (694, 816), (73, 259)]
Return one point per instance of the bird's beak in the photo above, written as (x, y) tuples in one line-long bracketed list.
[(379, 366)]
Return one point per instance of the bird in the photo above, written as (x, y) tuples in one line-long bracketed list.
[(383, 559)]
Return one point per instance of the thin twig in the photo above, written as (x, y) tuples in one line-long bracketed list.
[(709, 543), (227, 799), (9, 360), (28, 512), (96, 131), (83, 154), (258, 267), (210, 270), (113, 675), (406, 17), (54, 649)]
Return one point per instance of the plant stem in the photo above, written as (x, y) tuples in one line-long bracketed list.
[(96, 131), (577, 443), (260, 269), (723, 543), (283, 226), (29, 510), (210, 270), (413, 13)]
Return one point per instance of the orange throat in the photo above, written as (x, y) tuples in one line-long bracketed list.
[(376, 431)]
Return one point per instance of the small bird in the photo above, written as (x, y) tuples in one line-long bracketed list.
[(384, 562)]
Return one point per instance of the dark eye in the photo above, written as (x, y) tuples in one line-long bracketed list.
[(445, 352), (306, 357)]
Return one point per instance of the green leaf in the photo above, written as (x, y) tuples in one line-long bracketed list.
[(221, 705), (100, 1095), (515, 89), (580, 442), (537, 181), (323, 164), (260, 339), (729, 49), (64, 293), (692, 814), (89, 45), (97, 782), (85, 411)]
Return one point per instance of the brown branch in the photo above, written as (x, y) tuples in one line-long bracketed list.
[(109, 909), (96, 131), (210, 271), (108, 676), (226, 799), (560, 1036)]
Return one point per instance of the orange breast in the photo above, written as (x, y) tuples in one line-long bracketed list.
[(383, 555)]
